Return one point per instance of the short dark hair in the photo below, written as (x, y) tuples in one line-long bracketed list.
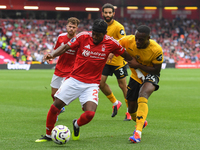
[(99, 25), (107, 5), (73, 20), (144, 29)]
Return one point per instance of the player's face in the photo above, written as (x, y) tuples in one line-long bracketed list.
[(97, 37), (141, 39), (108, 14), (71, 29)]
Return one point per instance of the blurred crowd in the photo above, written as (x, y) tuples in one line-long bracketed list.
[(28, 40)]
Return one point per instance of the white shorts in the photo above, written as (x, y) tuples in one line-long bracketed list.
[(72, 89), (56, 81)]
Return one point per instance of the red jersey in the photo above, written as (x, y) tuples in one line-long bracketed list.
[(65, 63), (91, 58)]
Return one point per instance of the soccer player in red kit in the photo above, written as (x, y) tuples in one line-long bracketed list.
[(83, 82), (65, 63)]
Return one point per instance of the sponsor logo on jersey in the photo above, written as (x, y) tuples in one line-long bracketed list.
[(70, 51), (122, 32), (130, 49), (87, 46), (159, 58), (92, 54), (86, 53)]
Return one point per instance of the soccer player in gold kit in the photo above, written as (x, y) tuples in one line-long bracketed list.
[(148, 57), (117, 65)]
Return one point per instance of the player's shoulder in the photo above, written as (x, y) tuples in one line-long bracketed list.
[(62, 34), (128, 38), (110, 39), (84, 33), (154, 43), (116, 23), (155, 46)]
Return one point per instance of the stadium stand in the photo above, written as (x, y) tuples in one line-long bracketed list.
[(179, 38)]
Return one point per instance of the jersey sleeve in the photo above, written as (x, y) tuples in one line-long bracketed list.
[(122, 42), (118, 50), (58, 43), (74, 42), (121, 32), (158, 57)]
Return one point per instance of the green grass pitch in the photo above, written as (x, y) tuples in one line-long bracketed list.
[(174, 114)]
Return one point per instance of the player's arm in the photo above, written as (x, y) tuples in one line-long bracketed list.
[(59, 51), (155, 69), (110, 57), (126, 56)]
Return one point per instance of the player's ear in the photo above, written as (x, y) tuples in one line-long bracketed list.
[(113, 14)]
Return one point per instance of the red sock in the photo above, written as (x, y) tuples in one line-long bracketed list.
[(53, 97), (85, 118), (51, 118)]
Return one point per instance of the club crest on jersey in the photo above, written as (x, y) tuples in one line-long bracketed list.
[(122, 32), (137, 56), (103, 48), (73, 39)]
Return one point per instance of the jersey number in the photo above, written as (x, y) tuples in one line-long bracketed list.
[(95, 92), (121, 71), (150, 77)]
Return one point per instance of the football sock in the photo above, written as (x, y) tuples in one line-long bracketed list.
[(139, 132), (76, 124), (133, 116), (142, 112), (115, 103), (49, 136), (112, 98), (126, 101), (85, 118), (51, 118)]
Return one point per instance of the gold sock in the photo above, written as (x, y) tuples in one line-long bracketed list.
[(112, 98), (142, 112), (126, 101), (133, 116)]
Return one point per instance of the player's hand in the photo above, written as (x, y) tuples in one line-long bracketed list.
[(133, 63), (110, 56), (47, 58)]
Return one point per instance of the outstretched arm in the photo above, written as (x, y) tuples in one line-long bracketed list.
[(59, 51)]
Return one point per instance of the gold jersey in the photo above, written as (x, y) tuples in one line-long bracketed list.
[(116, 30), (152, 54)]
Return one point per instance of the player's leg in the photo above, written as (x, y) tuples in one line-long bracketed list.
[(89, 102), (55, 84), (108, 70), (142, 111), (121, 74), (68, 92), (51, 119), (147, 88)]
